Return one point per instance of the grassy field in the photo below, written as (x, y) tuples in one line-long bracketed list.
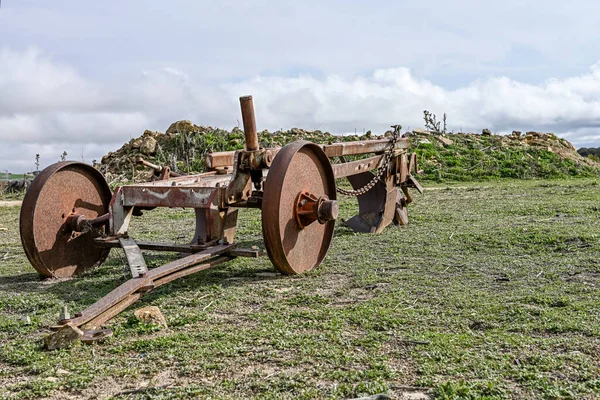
[(491, 292), (13, 177)]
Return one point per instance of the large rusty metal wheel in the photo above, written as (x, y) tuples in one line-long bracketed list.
[(61, 190), (299, 207)]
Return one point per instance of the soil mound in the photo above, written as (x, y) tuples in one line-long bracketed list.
[(460, 156)]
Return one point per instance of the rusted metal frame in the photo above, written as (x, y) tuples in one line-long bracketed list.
[(247, 171), (112, 242), (208, 179), (412, 182), (258, 159), (121, 305), (248, 163), (379, 206), (134, 256), (214, 223), (97, 321), (240, 185), (406, 166), (191, 270), (227, 158), (171, 196), (356, 167), (252, 202), (120, 216), (181, 180), (362, 147), (407, 194), (402, 169), (261, 158), (412, 163), (147, 280)]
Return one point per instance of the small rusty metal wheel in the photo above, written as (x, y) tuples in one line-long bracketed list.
[(299, 207), (61, 196)]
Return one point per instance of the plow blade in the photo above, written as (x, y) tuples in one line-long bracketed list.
[(376, 208)]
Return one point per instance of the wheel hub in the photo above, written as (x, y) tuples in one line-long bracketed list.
[(308, 209)]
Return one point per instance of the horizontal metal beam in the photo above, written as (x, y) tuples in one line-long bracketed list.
[(176, 247), (225, 158), (362, 147), (144, 245), (205, 179), (171, 196), (356, 167)]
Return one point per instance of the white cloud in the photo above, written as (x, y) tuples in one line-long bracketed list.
[(47, 106), (395, 95)]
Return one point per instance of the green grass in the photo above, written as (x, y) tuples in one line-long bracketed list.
[(482, 158), (4, 196), (491, 292), (14, 177)]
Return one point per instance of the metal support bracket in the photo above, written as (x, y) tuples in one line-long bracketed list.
[(412, 182), (135, 258)]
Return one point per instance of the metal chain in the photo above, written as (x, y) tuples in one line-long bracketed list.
[(381, 169)]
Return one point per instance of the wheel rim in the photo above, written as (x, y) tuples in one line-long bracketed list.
[(59, 190), (299, 166)]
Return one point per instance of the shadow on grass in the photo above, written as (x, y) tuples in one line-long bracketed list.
[(89, 287), (10, 283)]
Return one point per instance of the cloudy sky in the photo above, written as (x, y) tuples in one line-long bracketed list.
[(86, 76)]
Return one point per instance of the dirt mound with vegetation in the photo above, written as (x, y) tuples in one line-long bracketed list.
[(460, 156), (469, 156)]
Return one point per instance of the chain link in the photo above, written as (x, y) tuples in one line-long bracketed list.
[(381, 169)]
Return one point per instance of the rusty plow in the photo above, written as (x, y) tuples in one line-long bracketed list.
[(70, 219)]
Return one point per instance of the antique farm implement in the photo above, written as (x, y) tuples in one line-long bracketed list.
[(70, 219)]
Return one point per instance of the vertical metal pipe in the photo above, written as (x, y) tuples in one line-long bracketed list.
[(249, 123)]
